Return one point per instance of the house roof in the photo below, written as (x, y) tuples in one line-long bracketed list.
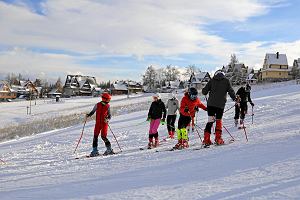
[(251, 77), (5, 85), (54, 91), (271, 59), (198, 77), (119, 86)]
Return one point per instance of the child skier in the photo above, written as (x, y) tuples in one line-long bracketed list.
[(172, 106), (241, 108), (217, 87), (103, 116), (188, 106), (156, 114)]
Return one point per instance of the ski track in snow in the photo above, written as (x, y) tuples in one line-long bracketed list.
[(267, 167)]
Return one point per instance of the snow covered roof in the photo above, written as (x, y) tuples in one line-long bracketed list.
[(4, 87), (251, 77), (272, 59), (54, 91), (119, 86), (199, 77)]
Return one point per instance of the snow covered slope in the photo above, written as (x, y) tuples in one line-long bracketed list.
[(266, 167)]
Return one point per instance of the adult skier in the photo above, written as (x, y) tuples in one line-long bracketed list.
[(172, 107), (103, 116), (156, 115), (217, 88), (243, 94), (188, 106)]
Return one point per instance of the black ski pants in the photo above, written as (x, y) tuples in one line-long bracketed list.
[(240, 111), (171, 122), (183, 121)]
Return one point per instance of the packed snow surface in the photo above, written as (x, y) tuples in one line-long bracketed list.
[(43, 166)]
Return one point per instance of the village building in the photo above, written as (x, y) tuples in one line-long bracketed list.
[(6, 93), (252, 79), (275, 67), (199, 80), (126, 87), (78, 85)]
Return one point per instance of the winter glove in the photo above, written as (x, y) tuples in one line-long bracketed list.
[(252, 104), (106, 120), (186, 109), (205, 109), (148, 119), (87, 115), (196, 109)]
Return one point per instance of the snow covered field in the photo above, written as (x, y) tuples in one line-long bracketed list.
[(49, 115), (267, 167)]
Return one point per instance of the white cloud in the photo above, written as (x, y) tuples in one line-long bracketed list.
[(131, 27), (136, 28), (50, 66)]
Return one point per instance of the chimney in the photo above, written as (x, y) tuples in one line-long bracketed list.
[(277, 55)]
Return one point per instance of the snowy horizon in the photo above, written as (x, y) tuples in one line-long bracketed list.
[(116, 39)]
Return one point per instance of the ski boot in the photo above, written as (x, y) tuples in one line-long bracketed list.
[(95, 152), (207, 142), (242, 126), (109, 151), (172, 135), (218, 138), (185, 144), (156, 143), (150, 144), (178, 145), (236, 122)]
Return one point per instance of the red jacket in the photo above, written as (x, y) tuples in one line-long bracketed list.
[(186, 102), (102, 110)]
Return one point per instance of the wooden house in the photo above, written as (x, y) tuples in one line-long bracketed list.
[(275, 67), (6, 92), (76, 85), (199, 80)]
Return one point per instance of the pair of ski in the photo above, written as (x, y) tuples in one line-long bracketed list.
[(100, 155), (197, 148)]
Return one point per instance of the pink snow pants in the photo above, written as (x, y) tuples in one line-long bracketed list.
[(154, 124)]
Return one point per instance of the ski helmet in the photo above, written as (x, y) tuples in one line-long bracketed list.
[(219, 72), (106, 96), (192, 92), (156, 95)]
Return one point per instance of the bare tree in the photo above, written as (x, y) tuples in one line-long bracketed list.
[(191, 69), (59, 85), (171, 73), (233, 61)]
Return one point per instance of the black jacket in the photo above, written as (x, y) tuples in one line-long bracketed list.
[(157, 110), (244, 95), (217, 88)]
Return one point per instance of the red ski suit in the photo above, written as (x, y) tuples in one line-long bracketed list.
[(186, 102), (102, 113)]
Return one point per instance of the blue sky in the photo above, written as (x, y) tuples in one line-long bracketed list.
[(118, 39)]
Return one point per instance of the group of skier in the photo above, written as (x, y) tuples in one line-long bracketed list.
[(217, 89)]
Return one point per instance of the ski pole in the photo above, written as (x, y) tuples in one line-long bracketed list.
[(2, 161), (245, 132), (81, 134), (114, 137), (252, 114), (196, 128), (228, 109), (228, 132), (199, 136)]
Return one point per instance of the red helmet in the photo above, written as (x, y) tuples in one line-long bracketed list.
[(106, 96)]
